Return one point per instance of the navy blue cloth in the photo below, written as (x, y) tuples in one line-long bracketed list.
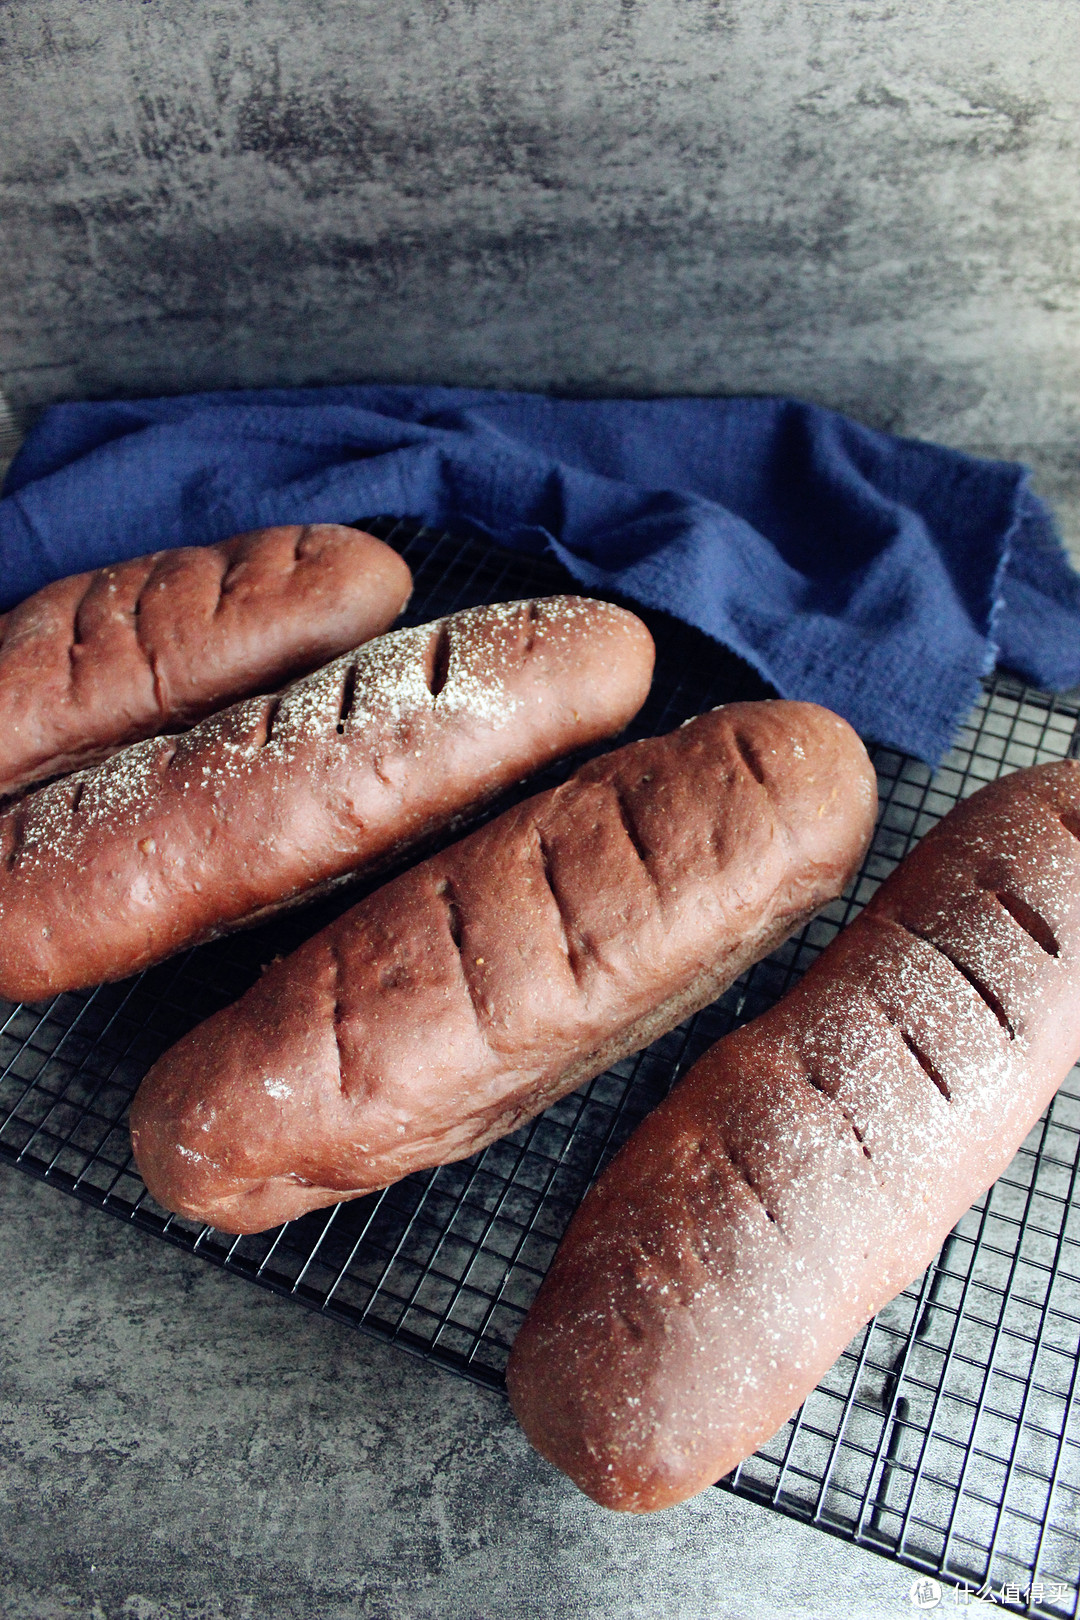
[(879, 576)]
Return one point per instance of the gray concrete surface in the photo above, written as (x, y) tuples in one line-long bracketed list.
[(1057, 478), (868, 204), (176, 1444)]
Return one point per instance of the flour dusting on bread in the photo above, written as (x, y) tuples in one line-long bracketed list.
[(177, 839)]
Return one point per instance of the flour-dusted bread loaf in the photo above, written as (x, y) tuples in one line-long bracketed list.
[(465, 996), (98, 660), (178, 839), (812, 1163)]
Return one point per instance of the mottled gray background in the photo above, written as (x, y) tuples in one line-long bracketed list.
[(874, 205), (176, 1444)]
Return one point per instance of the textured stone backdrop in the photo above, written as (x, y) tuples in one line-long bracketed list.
[(874, 205)]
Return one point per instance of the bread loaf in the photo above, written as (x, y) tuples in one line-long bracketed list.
[(177, 839), (101, 659), (812, 1163), (465, 996)]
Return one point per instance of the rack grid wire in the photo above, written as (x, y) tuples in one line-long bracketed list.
[(946, 1436)]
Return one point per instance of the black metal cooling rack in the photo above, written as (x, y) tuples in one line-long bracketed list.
[(947, 1435)]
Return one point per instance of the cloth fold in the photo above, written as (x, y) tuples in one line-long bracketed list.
[(877, 575)]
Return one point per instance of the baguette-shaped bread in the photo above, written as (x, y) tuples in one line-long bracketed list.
[(811, 1164), (177, 839), (468, 994), (98, 660)]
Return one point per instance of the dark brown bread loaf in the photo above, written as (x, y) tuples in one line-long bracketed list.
[(812, 1163), (468, 994), (98, 660), (177, 839)]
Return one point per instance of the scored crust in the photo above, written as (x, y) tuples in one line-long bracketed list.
[(98, 660), (178, 839), (811, 1164), (464, 996)]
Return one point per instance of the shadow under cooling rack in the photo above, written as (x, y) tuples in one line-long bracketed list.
[(945, 1436)]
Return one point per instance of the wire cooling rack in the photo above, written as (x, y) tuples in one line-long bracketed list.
[(947, 1434)]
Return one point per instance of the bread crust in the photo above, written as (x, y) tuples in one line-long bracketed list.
[(465, 996), (178, 839), (811, 1164), (98, 660)]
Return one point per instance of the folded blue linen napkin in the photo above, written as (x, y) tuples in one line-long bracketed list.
[(877, 575)]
